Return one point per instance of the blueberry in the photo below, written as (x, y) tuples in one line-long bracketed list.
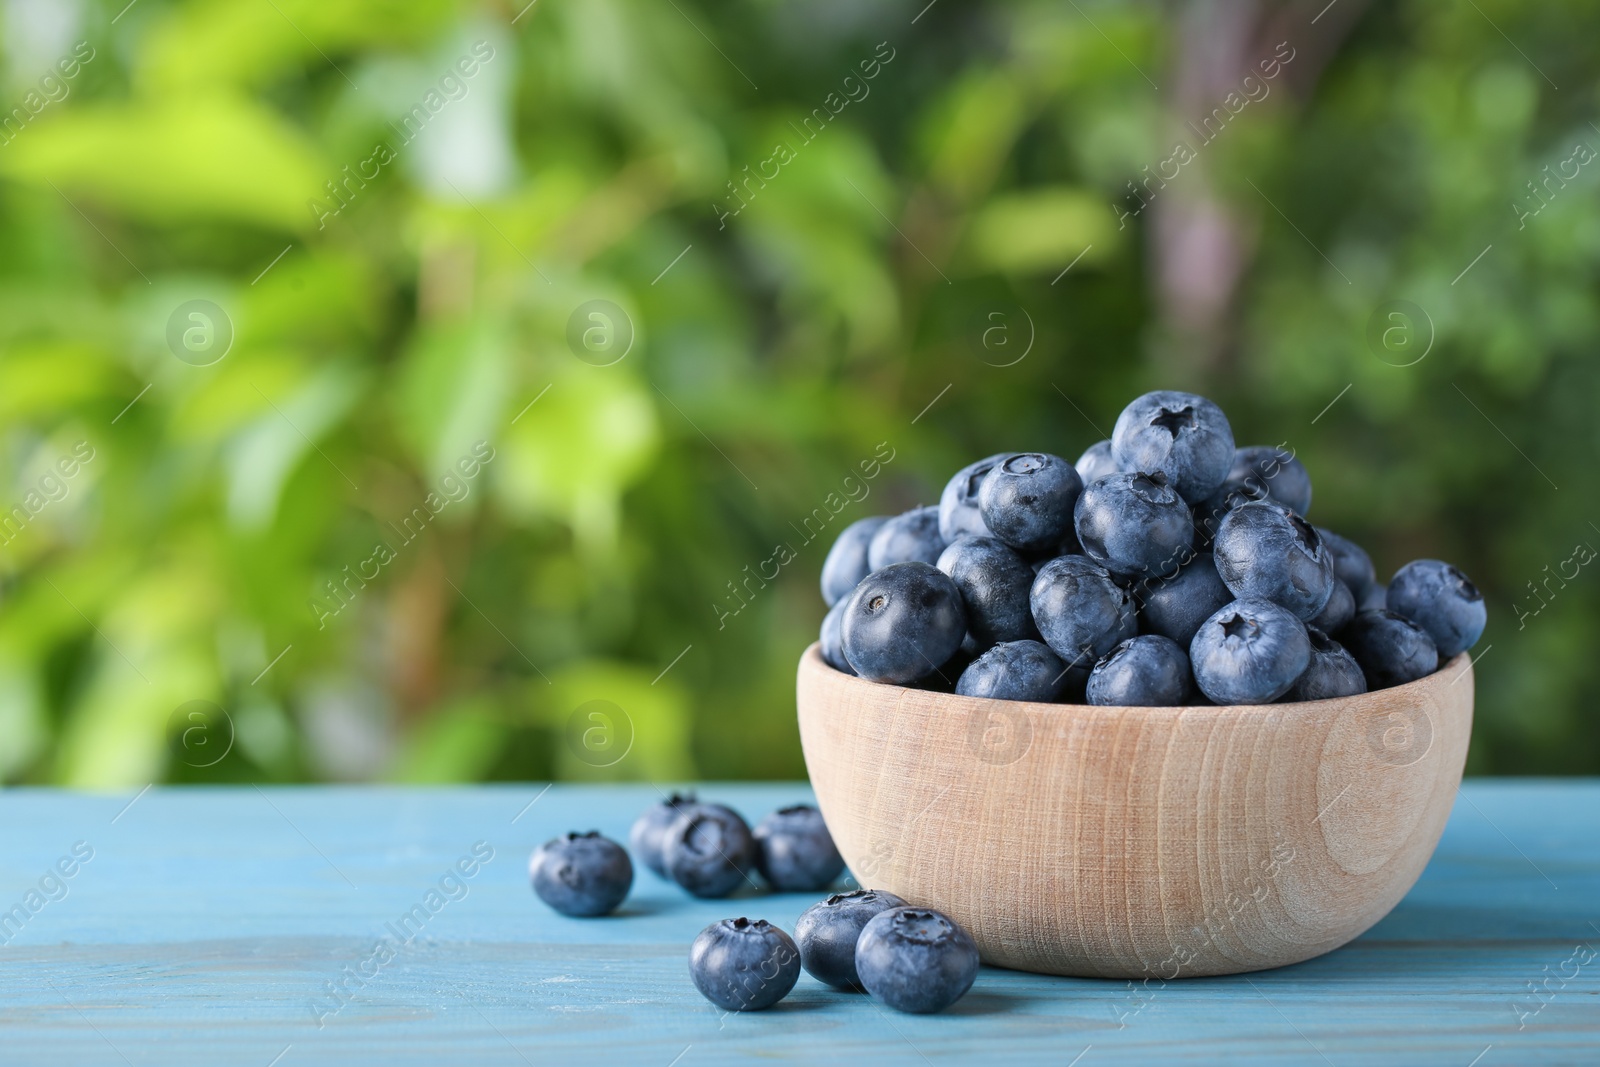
[(581, 874), (795, 851), (709, 850), (831, 639), (1249, 652), (1337, 612), (1027, 499), (1184, 436), (827, 934), (1376, 598), (744, 964), (648, 836), (846, 564), (958, 504), (1265, 550), (1442, 601), (1209, 512), (1149, 671), (994, 583), (1351, 564), (1332, 672), (913, 535), (1015, 670), (1391, 649), (916, 960), (1283, 477), (903, 622), (1134, 524), (1081, 611), (1176, 606), (1096, 462)]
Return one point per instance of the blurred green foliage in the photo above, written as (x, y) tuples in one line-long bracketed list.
[(892, 279)]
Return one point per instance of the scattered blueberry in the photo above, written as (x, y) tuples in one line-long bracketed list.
[(994, 582), (795, 852), (902, 622), (913, 535), (1391, 649), (1442, 601), (827, 934), (916, 960), (581, 874), (1351, 564), (1081, 611), (1283, 477), (1015, 670), (1134, 524), (1184, 436), (1337, 612), (709, 850), (1027, 500), (832, 639), (1176, 606), (847, 559), (1149, 671), (649, 833), (744, 964), (1332, 672), (1249, 652), (958, 504), (1265, 550), (1096, 462)]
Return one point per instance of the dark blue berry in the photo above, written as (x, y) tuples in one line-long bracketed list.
[(581, 874), (1015, 670), (795, 851), (916, 960), (1081, 611), (827, 934), (744, 964), (902, 623), (1249, 652), (1176, 606), (958, 504), (994, 582), (1184, 436), (1149, 671), (1134, 524), (1337, 612), (832, 638), (649, 833), (1442, 601), (1283, 477), (1391, 649), (1208, 513), (1027, 500), (709, 850), (1351, 564), (1096, 462), (847, 559), (1332, 672), (913, 535), (1264, 550)]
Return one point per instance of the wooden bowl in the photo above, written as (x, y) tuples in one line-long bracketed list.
[(1138, 842)]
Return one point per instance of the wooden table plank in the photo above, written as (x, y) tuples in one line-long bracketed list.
[(208, 922)]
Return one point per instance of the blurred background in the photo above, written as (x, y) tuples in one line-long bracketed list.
[(448, 391)]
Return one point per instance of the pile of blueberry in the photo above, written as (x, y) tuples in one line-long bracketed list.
[(1164, 561), (912, 959)]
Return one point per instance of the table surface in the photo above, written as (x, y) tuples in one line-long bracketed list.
[(207, 926)]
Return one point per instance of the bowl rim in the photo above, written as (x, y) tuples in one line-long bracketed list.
[(1458, 665)]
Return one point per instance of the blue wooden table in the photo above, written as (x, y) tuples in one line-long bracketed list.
[(285, 927)]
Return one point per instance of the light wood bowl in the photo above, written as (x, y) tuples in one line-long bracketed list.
[(1138, 842)]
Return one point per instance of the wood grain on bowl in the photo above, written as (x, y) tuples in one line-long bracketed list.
[(1138, 842)]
